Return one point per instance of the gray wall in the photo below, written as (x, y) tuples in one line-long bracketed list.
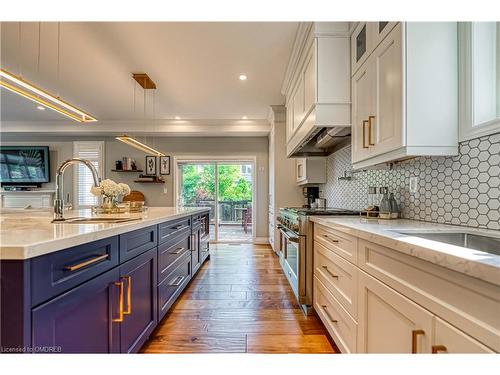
[(163, 194), (461, 190)]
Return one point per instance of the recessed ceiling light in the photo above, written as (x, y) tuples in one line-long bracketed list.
[(41, 108), (243, 77), (244, 118), (177, 117)]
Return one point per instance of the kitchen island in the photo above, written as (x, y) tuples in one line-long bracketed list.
[(94, 288)]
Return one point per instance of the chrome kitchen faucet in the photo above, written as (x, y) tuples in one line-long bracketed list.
[(59, 201)]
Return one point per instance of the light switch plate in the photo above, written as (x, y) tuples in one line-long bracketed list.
[(413, 184)]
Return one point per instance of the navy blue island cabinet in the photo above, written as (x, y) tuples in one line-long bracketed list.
[(106, 296)]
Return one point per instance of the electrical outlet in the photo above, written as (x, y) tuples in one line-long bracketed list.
[(165, 190), (413, 184)]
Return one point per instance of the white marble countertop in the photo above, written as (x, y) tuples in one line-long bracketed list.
[(475, 263), (29, 233)]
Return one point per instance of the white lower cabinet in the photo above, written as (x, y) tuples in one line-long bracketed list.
[(448, 339), (383, 301), (389, 322)]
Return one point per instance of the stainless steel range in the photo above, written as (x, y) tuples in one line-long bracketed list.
[(296, 248)]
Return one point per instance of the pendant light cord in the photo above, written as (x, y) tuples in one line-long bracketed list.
[(58, 58), (39, 48)]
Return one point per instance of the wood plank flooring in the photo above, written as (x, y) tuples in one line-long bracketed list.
[(239, 302)]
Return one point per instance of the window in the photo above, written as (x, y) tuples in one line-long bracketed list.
[(83, 180)]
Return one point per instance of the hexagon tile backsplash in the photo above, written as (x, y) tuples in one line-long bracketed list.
[(460, 190)]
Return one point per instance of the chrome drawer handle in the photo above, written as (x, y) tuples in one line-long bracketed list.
[(330, 272), (178, 250), (177, 281), (86, 263), (178, 227), (331, 239), (325, 309)]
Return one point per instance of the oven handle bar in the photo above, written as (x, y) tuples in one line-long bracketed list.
[(289, 235)]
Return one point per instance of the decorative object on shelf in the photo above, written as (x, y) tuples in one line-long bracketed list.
[(150, 165), (118, 165), (150, 179), (111, 194), (165, 165)]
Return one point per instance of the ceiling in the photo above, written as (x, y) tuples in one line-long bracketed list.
[(195, 65)]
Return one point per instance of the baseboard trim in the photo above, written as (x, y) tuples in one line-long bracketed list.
[(261, 240)]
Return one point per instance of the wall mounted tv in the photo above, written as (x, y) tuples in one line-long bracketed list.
[(24, 165)]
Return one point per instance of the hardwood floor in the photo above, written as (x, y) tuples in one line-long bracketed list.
[(240, 302)]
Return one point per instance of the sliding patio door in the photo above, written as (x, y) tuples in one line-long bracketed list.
[(224, 186)]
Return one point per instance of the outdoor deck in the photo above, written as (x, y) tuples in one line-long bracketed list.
[(232, 232)]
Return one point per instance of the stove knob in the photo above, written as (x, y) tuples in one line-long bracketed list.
[(295, 227), (279, 219)]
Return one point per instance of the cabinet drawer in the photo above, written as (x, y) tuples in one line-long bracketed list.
[(463, 301), (337, 320), (448, 339), (60, 271), (338, 275), (339, 242), (170, 288), (138, 241), (169, 255), (171, 229)]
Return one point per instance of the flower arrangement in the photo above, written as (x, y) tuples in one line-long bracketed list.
[(110, 191)]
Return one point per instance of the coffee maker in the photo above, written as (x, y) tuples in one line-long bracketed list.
[(310, 195)]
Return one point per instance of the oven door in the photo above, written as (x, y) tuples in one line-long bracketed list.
[(290, 262)]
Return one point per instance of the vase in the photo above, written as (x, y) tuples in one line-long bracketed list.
[(108, 204)]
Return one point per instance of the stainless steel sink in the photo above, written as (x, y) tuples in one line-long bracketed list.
[(471, 241), (96, 220)]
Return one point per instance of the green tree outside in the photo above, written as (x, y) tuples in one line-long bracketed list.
[(200, 185)]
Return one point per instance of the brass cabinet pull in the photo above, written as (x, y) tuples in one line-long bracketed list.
[(120, 303), (331, 239), (370, 140), (177, 281), (86, 263), (178, 227), (330, 272), (178, 250), (129, 295), (414, 336), (438, 348), (325, 309), (364, 133)]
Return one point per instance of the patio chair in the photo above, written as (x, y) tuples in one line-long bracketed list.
[(247, 219)]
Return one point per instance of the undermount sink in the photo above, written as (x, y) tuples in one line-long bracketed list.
[(468, 240), (96, 220)]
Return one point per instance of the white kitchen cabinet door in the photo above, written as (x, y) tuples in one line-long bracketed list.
[(298, 104), (388, 322), (362, 92), (386, 125), (448, 339), (380, 31), (310, 81), (361, 45)]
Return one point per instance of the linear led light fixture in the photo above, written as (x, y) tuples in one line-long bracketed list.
[(139, 145), (29, 91)]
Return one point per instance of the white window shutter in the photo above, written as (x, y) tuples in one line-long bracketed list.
[(83, 180)]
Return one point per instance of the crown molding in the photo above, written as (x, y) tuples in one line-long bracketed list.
[(277, 113), (164, 128)]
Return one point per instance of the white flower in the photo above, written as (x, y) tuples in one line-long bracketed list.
[(110, 188), (124, 189), (97, 191)]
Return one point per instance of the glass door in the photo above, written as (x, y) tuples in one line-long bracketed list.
[(224, 186), (197, 188), (234, 203)]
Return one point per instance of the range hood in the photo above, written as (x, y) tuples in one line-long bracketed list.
[(317, 136)]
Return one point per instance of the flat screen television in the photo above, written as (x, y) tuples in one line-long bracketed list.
[(24, 165)]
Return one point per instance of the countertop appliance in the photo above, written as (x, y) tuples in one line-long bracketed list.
[(296, 248)]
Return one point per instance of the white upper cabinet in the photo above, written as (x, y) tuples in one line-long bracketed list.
[(405, 91), (479, 79), (317, 83)]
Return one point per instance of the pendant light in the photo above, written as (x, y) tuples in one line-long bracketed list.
[(28, 90), (147, 84)]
